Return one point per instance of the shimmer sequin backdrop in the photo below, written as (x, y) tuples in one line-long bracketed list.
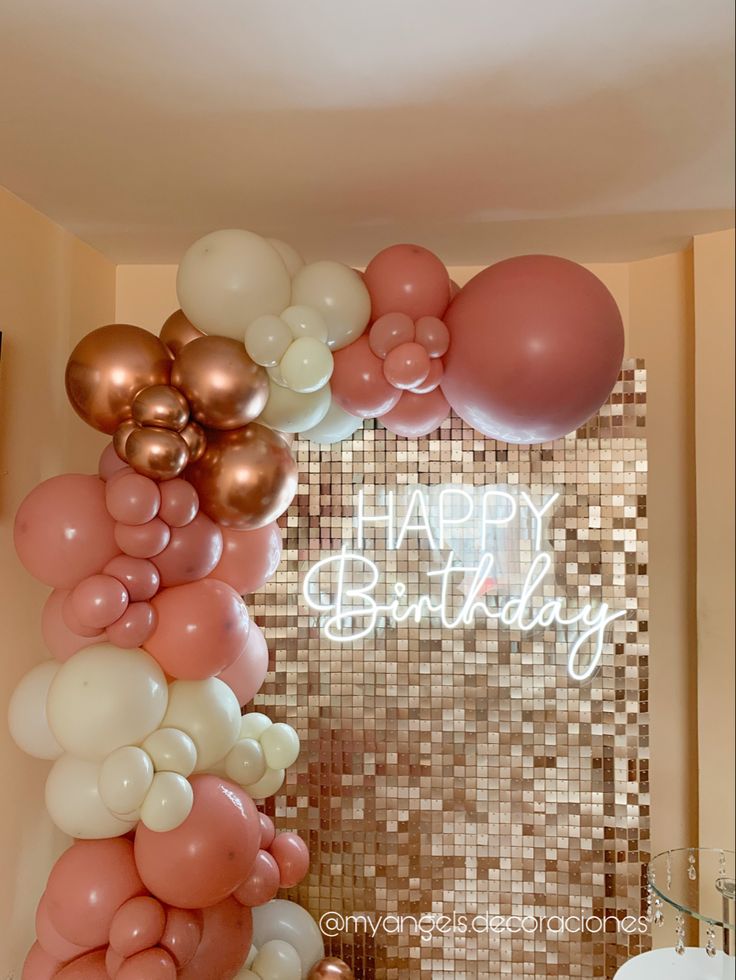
[(462, 773)]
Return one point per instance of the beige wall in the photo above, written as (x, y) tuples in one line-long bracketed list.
[(53, 289)]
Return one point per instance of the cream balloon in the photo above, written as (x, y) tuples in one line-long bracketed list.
[(277, 960), (209, 713), (245, 763), (74, 802), (246, 974), (307, 365), (280, 919), (303, 321), (168, 803), (289, 255), (334, 427), (280, 744), (292, 411), (267, 339), (125, 778), (29, 727), (103, 698), (339, 294), (230, 277), (252, 953), (270, 783), (171, 750), (253, 724)]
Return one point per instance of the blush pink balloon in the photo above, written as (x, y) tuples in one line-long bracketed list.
[(139, 576), (204, 859), (113, 962), (536, 348), (407, 279), (133, 499), (268, 831), (137, 925), (62, 642), (417, 415), (227, 934), (151, 964), (134, 627), (390, 331), (261, 884), (39, 965), (454, 289), (179, 502), (86, 887), (433, 379), (202, 629), (63, 532), (51, 940), (406, 366), (433, 335), (192, 552), (142, 540), (110, 463), (89, 967), (246, 674), (249, 558), (358, 383), (182, 934), (98, 601), (73, 621), (292, 856)]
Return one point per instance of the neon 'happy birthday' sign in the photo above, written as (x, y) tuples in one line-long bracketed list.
[(491, 562)]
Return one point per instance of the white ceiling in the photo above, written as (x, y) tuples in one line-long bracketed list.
[(602, 129)]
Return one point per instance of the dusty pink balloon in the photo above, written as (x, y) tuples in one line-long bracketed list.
[(227, 932), (98, 601), (389, 331), (39, 965), (110, 463), (62, 642), (268, 831), (89, 967), (73, 622), (139, 576), (417, 415), (433, 335), (133, 499), (292, 857), (406, 366), (179, 502), (261, 884), (249, 558), (433, 379), (358, 383), (51, 940), (143, 540), (192, 553), (113, 962), (134, 627), (63, 532), (246, 674), (182, 934), (138, 924), (151, 964), (407, 279)]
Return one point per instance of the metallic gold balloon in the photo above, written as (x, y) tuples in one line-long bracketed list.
[(120, 437), (246, 477), (108, 368), (331, 968), (158, 453), (194, 436), (224, 388), (161, 405), (177, 332)]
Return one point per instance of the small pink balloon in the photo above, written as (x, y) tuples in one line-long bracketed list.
[(417, 415), (227, 932), (89, 967), (192, 552), (62, 642), (73, 621), (406, 366), (142, 540), (389, 331), (133, 499), (179, 502), (433, 379), (454, 289), (410, 279), (358, 383), (245, 676), (138, 925), (152, 964), (39, 965), (113, 962), (262, 883), (98, 601), (292, 856), (182, 934), (134, 627), (139, 576), (110, 463), (433, 335), (249, 558), (124, 471), (268, 831), (50, 939)]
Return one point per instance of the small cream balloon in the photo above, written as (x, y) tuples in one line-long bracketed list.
[(29, 726), (280, 744), (277, 960), (269, 784), (125, 778), (339, 294), (74, 803), (307, 365), (281, 919), (267, 339), (171, 750), (292, 411), (303, 321), (168, 802), (245, 763), (289, 255), (209, 713), (334, 427), (253, 724)]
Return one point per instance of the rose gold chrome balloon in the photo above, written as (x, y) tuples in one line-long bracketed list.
[(161, 405), (246, 478), (224, 388), (331, 968), (108, 368), (158, 453), (120, 437), (194, 436), (177, 332)]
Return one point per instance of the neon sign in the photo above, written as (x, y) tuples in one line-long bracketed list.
[(488, 546)]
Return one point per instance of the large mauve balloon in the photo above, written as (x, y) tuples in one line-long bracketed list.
[(39, 965), (417, 415), (249, 558), (204, 859), (536, 344), (246, 478), (358, 383), (407, 279), (108, 368), (63, 532), (226, 938)]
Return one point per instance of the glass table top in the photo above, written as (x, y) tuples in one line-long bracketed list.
[(697, 881)]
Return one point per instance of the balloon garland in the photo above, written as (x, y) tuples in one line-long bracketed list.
[(155, 772)]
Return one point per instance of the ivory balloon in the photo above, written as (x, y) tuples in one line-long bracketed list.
[(267, 339), (177, 332), (280, 745), (307, 365), (105, 697), (339, 294), (303, 321), (334, 427), (125, 779), (291, 258), (254, 724), (245, 763), (27, 720), (230, 277), (277, 960), (74, 803), (293, 411), (209, 713), (267, 785), (171, 750), (280, 919), (168, 802)]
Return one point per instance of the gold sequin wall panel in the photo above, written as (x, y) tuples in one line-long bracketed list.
[(455, 771)]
